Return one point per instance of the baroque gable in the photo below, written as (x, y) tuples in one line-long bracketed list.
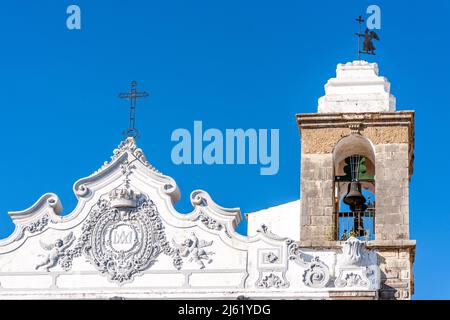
[(125, 238)]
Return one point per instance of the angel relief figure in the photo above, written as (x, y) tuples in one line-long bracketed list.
[(55, 251), (192, 248)]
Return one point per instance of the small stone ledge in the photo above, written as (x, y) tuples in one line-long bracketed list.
[(389, 244), (353, 295), (373, 244), (322, 244)]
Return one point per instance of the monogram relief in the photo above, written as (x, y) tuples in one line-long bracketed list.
[(122, 236)]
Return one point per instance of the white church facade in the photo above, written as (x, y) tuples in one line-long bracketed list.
[(125, 239)]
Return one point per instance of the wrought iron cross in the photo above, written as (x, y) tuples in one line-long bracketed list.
[(360, 20), (133, 94)]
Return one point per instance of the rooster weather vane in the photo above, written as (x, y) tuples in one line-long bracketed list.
[(369, 36)]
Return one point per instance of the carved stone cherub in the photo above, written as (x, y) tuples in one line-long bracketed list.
[(56, 251), (192, 248)]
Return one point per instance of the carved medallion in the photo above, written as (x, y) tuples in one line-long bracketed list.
[(125, 243), (123, 236)]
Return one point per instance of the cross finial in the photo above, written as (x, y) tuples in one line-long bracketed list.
[(133, 94), (360, 20)]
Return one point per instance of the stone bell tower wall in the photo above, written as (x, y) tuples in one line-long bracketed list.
[(396, 265), (391, 135)]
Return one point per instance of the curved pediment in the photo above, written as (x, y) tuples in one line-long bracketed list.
[(127, 152)]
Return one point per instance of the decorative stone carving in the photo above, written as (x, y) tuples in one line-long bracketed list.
[(82, 190), (209, 222), (353, 252), (55, 251), (192, 248), (295, 254), (271, 281), (128, 145), (352, 280), (356, 277), (122, 236), (127, 168), (123, 198), (198, 200), (356, 128), (270, 258), (355, 268), (317, 275), (37, 226)]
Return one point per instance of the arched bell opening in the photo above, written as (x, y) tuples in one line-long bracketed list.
[(356, 223), (354, 184)]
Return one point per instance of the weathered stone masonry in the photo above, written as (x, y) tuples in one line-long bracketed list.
[(392, 137)]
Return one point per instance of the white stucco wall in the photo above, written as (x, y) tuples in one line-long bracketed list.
[(283, 220)]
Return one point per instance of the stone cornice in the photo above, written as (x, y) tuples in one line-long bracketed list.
[(342, 120), (373, 244)]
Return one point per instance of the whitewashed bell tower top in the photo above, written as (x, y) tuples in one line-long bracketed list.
[(357, 88)]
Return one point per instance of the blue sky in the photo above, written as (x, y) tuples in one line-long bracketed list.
[(231, 64)]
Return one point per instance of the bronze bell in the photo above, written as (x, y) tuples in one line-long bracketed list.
[(354, 197)]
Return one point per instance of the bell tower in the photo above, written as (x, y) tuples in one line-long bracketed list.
[(356, 163)]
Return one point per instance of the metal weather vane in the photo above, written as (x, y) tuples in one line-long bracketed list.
[(368, 47), (133, 94)]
